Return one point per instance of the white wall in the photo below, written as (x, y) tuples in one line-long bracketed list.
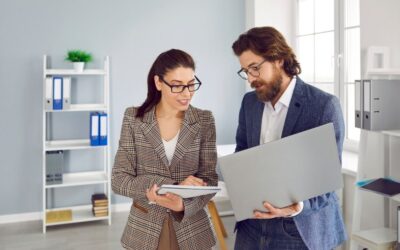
[(379, 22), (132, 33)]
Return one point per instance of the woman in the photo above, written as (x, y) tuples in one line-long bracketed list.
[(166, 141)]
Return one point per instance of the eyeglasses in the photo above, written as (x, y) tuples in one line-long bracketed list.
[(192, 87), (252, 70)]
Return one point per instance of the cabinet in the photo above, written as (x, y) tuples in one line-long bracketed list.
[(95, 175), (374, 216)]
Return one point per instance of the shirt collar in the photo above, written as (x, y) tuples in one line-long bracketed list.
[(287, 95)]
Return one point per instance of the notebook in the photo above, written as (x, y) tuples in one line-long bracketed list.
[(384, 186), (188, 191)]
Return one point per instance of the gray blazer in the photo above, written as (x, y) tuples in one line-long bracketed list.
[(320, 224), (141, 162)]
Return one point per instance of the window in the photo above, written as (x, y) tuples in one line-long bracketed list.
[(328, 48)]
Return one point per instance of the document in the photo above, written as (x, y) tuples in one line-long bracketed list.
[(188, 191), (282, 172)]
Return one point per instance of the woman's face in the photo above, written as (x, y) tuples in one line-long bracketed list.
[(171, 85)]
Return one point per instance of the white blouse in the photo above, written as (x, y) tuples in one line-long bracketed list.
[(169, 147)]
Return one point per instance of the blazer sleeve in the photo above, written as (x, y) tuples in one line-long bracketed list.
[(241, 137), (206, 169), (332, 113), (124, 180)]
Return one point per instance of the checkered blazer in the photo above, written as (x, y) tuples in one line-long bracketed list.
[(141, 162)]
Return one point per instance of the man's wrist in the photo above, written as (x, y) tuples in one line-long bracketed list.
[(301, 204)]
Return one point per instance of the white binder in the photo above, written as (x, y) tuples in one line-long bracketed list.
[(66, 92), (48, 94)]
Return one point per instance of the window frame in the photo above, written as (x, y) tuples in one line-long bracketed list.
[(339, 83)]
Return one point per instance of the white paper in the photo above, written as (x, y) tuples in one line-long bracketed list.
[(188, 191)]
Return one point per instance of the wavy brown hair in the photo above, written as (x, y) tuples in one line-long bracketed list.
[(166, 61), (271, 45)]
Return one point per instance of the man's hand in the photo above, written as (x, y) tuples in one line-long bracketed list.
[(277, 212), (170, 201), (193, 181)]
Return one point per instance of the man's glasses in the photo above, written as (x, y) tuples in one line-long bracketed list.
[(192, 87), (252, 70)]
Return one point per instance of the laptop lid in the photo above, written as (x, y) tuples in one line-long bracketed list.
[(282, 172)]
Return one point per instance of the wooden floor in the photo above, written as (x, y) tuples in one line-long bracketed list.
[(87, 236)]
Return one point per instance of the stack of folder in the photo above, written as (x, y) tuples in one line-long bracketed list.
[(100, 205), (57, 92), (98, 128)]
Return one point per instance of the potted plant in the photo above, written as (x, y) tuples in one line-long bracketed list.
[(78, 58)]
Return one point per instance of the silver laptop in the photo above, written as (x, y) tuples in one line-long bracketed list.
[(282, 172)]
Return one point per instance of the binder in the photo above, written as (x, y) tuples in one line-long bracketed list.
[(366, 123), (103, 128), (94, 129), (54, 167), (381, 104), (66, 92), (358, 103), (57, 92), (49, 94), (398, 227)]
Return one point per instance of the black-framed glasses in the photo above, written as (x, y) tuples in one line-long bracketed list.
[(192, 87), (252, 70)]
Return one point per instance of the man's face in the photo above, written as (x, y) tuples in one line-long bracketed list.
[(264, 76)]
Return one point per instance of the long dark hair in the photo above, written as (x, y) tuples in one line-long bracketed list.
[(166, 61), (270, 44)]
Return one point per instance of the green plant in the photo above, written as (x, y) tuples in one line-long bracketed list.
[(78, 56)]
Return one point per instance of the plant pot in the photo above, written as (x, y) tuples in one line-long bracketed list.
[(78, 66)]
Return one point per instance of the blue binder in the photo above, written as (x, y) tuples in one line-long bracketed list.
[(57, 92), (103, 128), (94, 129)]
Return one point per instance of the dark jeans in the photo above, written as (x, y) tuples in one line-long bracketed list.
[(280, 233)]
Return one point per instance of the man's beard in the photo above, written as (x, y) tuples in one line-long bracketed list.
[(271, 88)]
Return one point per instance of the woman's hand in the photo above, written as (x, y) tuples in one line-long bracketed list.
[(170, 201), (193, 181)]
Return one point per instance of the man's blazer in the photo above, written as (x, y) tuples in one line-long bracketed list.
[(320, 223), (141, 162)]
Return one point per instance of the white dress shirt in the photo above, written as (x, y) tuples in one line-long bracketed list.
[(273, 119)]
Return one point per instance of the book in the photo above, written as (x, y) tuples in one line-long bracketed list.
[(384, 186), (99, 199), (188, 191), (58, 216)]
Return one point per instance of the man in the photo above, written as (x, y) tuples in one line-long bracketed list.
[(282, 105)]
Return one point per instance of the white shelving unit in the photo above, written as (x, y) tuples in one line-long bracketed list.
[(379, 238), (77, 179)]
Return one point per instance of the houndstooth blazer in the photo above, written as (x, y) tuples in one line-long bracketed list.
[(141, 162)]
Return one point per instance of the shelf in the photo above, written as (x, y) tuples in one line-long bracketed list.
[(79, 214), (70, 145), (72, 72), (81, 107), (80, 179), (388, 71), (379, 238), (391, 132)]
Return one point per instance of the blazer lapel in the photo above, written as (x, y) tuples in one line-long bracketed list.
[(257, 119), (189, 130), (295, 107), (151, 131)]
